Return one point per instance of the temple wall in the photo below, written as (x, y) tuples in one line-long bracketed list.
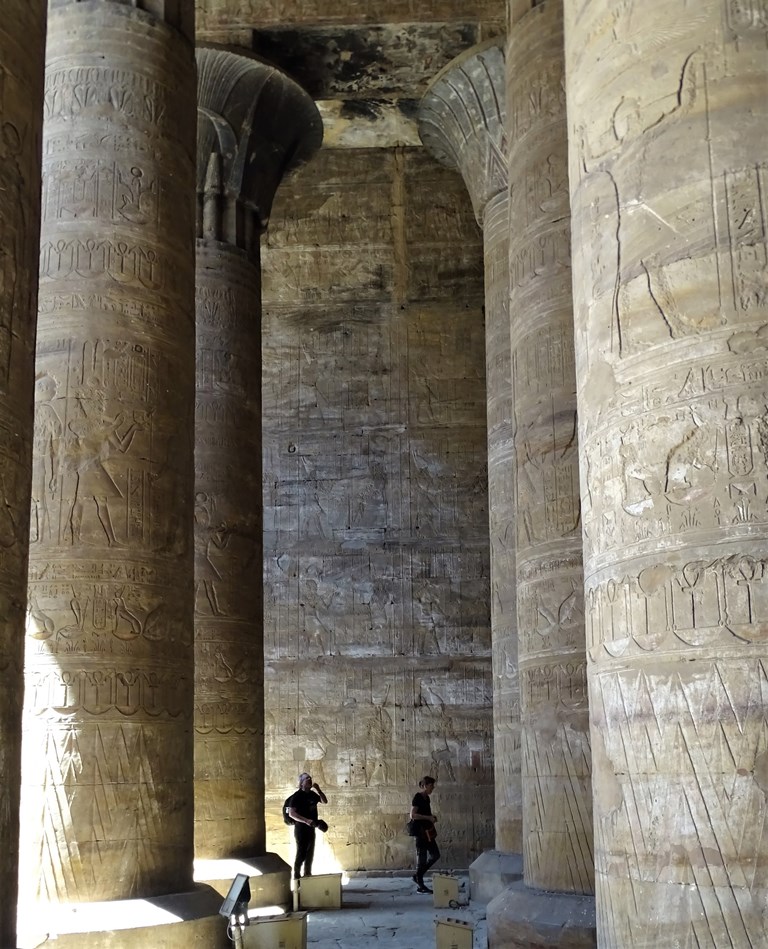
[(377, 620)]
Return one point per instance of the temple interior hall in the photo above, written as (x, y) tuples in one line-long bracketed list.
[(384, 394)]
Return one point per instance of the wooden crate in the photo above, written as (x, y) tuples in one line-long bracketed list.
[(445, 889), (275, 932), (319, 892), (453, 934)]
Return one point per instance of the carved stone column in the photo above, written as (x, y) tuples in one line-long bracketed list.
[(107, 808), (668, 115), (22, 58), (461, 122), (555, 900), (254, 125)]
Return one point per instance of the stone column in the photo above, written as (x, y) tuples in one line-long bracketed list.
[(461, 122), (107, 776), (254, 125), (22, 58), (668, 112), (555, 902)]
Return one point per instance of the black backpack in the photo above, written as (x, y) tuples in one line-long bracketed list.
[(286, 804)]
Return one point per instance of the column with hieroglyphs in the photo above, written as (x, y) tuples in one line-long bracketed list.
[(461, 122), (668, 112), (254, 125), (107, 775), (555, 901), (22, 61)]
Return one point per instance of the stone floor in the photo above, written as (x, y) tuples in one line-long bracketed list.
[(387, 911)]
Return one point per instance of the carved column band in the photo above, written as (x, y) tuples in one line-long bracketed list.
[(668, 114), (254, 125), (461, 122), (107, 774), (22, 58)]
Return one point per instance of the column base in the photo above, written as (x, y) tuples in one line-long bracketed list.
[(524, 918), (176, 921), (269, 877), (492, 873)]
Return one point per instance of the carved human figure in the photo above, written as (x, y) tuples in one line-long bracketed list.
[(95, 437)]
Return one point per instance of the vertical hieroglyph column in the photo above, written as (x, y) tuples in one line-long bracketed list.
[(668, 123), (107, 755), (556, 775), (461, 122), (254, 125), (22, 53)]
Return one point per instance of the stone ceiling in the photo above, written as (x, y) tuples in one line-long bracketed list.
[(377, 51)]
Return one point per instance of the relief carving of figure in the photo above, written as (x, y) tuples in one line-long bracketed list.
[(208, 539), (90, 442)]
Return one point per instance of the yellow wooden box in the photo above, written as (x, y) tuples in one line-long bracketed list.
[(453, 934), (319, 892), (445, 891), (275, 932)]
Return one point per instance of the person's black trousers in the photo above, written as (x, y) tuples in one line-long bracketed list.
[(427, 854), (304, 835)]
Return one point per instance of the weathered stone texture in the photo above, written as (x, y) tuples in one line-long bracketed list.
[(253, 124), (377, 632), (107, 797), (22, 51), (668, 114), (501, 519), (557, 811), (220, 14), (461, 122)]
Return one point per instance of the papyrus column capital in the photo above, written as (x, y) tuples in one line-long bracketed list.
[(461, 120), (255, 124)]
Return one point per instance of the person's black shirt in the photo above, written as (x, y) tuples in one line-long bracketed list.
[(421, 803), (305, 803)]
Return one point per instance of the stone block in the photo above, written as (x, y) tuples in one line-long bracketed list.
[(492, 873), (524, 918), (177, 921), (269, 878)]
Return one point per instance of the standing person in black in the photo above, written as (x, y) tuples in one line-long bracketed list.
[(301, 807), (427, 851)]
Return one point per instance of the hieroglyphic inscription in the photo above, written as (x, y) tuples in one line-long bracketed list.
[(711, 603), (542, 101), (91, 189), (710, 472), (123, 261), (102, 692), (71, 92)]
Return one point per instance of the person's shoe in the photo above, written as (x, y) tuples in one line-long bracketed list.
[(423, 889)]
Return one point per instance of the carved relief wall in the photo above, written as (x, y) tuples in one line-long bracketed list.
[(377, 630)]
